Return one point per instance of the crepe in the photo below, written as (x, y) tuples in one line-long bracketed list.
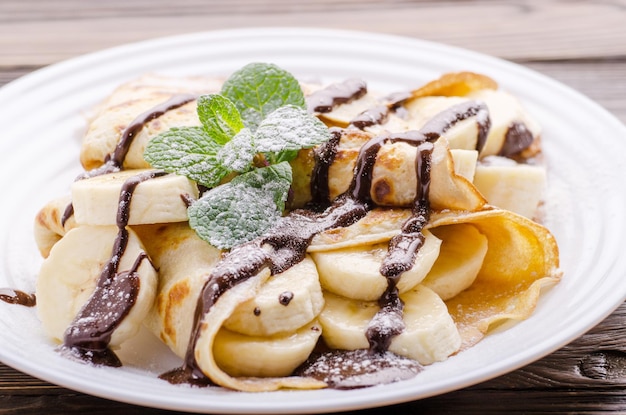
[(129, 101), (521, 259), (512, 258), (185, 263), (394, 181)]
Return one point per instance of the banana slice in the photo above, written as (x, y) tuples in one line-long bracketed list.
[(158, 200), (50, 224), (510, 185), (70, 274), (342, 114), (463, 135), (430, 334), (505, 110), (464, 162), (285, 303), (275, 356), (460, 258), (354, 272)]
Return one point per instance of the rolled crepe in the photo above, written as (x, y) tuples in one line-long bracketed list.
[(394, 181), (185, 263), (511, 125), (129, 101)]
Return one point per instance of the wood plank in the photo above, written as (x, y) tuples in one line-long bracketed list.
[(603, 81), (39, 33)]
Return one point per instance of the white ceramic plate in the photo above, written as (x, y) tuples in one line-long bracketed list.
[(43, 117)]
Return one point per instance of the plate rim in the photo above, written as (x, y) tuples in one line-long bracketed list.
[(75, 63)]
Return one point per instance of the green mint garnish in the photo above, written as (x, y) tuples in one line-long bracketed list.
[(243, 208), (287, 130), (188, 151), (259, 89), (259, 119), (220, 117), (238, 153)]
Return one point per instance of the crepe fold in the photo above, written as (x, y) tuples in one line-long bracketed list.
[(185, 263), (130, 100), (522, 257)]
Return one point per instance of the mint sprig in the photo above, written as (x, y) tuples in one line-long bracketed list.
[(259, 89), (219, 117), (243, 208), (259, 115), (188, 151)]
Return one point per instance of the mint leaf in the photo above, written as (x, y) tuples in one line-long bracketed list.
[(243, 209), (287, 130), (188, 151), (238, 153), (274, 179), (258, 89), (220, 117)]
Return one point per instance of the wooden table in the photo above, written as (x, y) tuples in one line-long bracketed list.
[(581, 43)]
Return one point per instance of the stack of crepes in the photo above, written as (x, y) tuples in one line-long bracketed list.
[(484, 261)]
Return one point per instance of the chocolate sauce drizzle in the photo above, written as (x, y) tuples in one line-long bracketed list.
[(285, 245), (355, 369), (517, 138), (285, 298), (11, 296), (517, 135), (445, 120), (114, 161), (324, 156), (89, 335), (324, 100), (379, 113)]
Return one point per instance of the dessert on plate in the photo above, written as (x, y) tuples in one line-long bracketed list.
[(279, 234)]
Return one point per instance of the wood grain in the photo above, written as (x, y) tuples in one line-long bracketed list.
[(519, 30), (580, 43)]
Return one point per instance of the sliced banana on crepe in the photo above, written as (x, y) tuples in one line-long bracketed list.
[(208, 356), (355, 272), (70, 274), (264, 356), (51, 223), (464, 162), (510, 185), (285, 303), (512, 128), (185, 262), (430, 334), (461, 256), (159, 200)]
